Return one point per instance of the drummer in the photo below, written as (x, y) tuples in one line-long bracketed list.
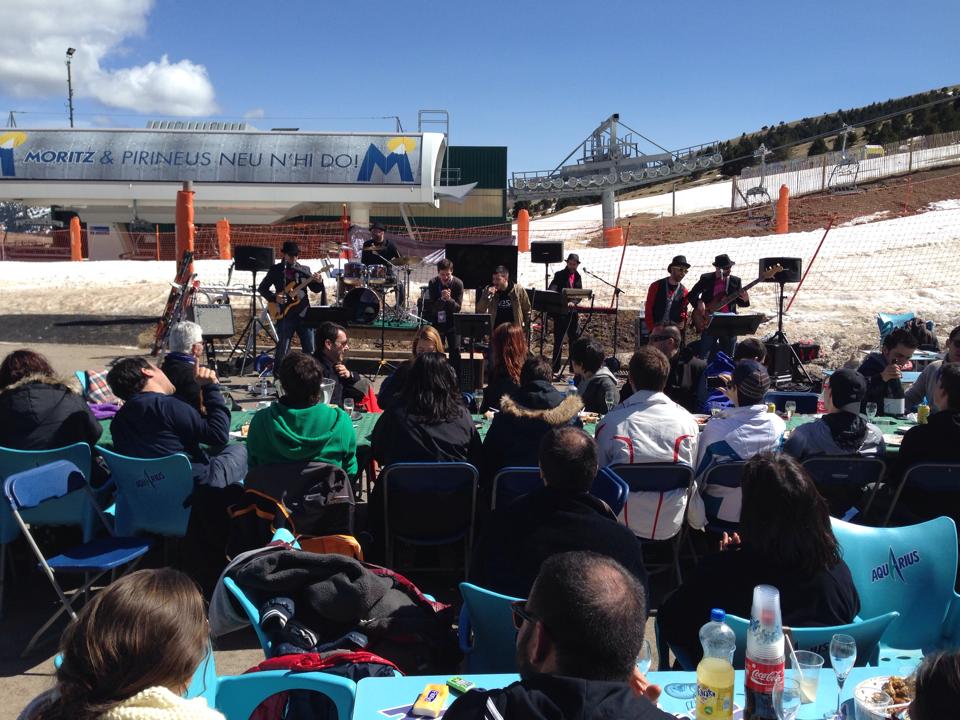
[(379, 250)]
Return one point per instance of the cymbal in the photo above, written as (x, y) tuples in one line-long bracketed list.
[(408, 260)]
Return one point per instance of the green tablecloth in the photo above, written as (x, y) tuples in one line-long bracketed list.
[(887, 425), (237, 420)]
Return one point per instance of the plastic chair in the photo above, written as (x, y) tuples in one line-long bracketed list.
[(908, 569), (888, 322), (937, 481), (238, 696), (841, 473), (28, 489), (806, 402), (611, 488), (728, 474), (152, 493), (429, 504), (512, 482), (866, 633), (486, 633)]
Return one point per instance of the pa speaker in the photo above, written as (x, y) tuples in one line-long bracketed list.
[(791, 269), (253, 258), (216, 321), (546, 252)]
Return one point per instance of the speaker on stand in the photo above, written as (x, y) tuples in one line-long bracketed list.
[(783, 363), (253, 259)]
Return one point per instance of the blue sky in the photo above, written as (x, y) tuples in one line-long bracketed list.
[(536, 77)]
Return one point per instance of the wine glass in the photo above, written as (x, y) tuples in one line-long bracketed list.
[(786, 698), (790, 406), (871, 409), (348, 406), (843, 654), (645, 657)]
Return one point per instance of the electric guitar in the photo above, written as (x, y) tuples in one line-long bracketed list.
[(292, 293), (703, 313)]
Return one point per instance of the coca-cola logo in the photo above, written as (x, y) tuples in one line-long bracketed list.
[(765, 678)]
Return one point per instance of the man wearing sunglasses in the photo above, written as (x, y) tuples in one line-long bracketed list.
[(926, 385), (667, 297), (578, 638)]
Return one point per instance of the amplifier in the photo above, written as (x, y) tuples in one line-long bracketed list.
[(216, 321)]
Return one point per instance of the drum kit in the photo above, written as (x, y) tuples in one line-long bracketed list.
[(362, 290)]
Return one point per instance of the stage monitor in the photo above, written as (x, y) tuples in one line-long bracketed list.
[(474, 264)]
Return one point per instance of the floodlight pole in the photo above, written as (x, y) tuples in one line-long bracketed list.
[(70, 52)]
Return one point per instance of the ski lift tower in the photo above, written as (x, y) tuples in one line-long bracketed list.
[(610, 161)]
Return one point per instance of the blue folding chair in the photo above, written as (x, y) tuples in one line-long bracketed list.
[(806, 402), (513, 482), (911, 570), (937, 481), (729, 475), (29, 489), (153, 494), (888, 322), (866, 633), (611, 488), (487, 636), (238, 696), (836, 475)]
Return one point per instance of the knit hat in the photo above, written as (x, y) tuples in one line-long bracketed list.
[(847, 389), (751, 380)]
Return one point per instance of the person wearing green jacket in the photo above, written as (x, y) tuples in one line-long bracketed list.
[(299, 427)]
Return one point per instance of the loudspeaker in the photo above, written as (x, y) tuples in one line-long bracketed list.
[(216, 321), (791, 269), (779, 360), (253, 258), (546, 251)]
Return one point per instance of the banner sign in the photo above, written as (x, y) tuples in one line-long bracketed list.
[(219, 157)]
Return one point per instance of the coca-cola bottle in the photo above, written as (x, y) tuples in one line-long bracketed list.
[(765, 660)]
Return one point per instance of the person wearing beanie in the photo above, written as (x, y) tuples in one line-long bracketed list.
[(737, 434), (277, 286)]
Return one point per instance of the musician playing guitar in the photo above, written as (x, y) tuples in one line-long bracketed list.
[(285, 288), (717, 284)]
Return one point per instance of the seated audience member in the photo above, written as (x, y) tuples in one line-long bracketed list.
[(578, 638), (38, 411), (131, 653), (843, 430), (879, 367), (650, 427), (301, 428), (153, 423), (597, 383), (427, 340), (686, 369), (711, 393), (332, 344), (923, 389), (937, 441), (430, 423), (186, 351), (525, 417), (508, 351), (738, 434), (558, 517), (937, 693), (785, 540)]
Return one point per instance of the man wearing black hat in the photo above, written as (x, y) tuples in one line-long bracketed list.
[(712, 285), (379, 250), (277, 287), (565, 324), (667, 297)]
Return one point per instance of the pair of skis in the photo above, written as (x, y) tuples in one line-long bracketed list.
[(181, 295)]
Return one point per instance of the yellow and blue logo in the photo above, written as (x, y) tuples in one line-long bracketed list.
[(398, 157), (8, 141)]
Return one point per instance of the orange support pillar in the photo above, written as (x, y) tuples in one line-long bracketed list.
[(185, 229), (613, 237), (223, 239), (783, 210), (523, 231), (76, 244)]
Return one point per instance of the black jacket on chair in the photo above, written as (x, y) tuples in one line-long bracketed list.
[(40, 413)]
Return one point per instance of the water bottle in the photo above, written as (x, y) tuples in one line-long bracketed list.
[(715, 671), (572, 388)]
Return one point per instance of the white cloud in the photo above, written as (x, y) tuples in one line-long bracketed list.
[(37, 34), (254, 113)]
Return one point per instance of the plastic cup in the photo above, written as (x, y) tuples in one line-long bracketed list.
[(807, 672)]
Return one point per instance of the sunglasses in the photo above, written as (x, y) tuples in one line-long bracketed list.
[(520, 614)]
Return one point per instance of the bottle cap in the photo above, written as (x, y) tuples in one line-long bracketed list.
[(717, 615)]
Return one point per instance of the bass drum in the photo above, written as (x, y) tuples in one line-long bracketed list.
[(361, 305)]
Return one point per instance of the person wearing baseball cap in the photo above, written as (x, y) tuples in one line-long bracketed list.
[(565, 324), (738, 433), (285, 286), (717, 284), (667, 297)]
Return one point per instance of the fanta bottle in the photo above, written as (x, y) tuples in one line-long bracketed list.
[(715, 671)]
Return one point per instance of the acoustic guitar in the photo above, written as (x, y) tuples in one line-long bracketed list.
[(292, 293), (703, 313)]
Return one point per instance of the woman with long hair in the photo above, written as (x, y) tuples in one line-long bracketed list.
[(132, 653), (427, 340), (508, 353), (784, 540)]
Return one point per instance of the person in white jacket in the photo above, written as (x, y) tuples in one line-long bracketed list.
[(737, 434), (649, 427)]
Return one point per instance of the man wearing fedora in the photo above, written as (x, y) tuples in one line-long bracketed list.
[(712, 285), (565, 324), (279, 277), (667, 297)]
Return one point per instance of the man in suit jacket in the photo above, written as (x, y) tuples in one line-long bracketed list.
[(278, 277), (715, 285), (565, 324)]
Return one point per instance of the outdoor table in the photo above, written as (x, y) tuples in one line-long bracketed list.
[(238, 419), (393, 698), (887, 425)]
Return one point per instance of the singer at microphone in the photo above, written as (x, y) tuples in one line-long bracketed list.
[(505, 301)]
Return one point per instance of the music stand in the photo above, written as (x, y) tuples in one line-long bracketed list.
[(733, 325), (472, 326)]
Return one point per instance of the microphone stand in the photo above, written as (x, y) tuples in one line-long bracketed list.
[(616, 312)]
